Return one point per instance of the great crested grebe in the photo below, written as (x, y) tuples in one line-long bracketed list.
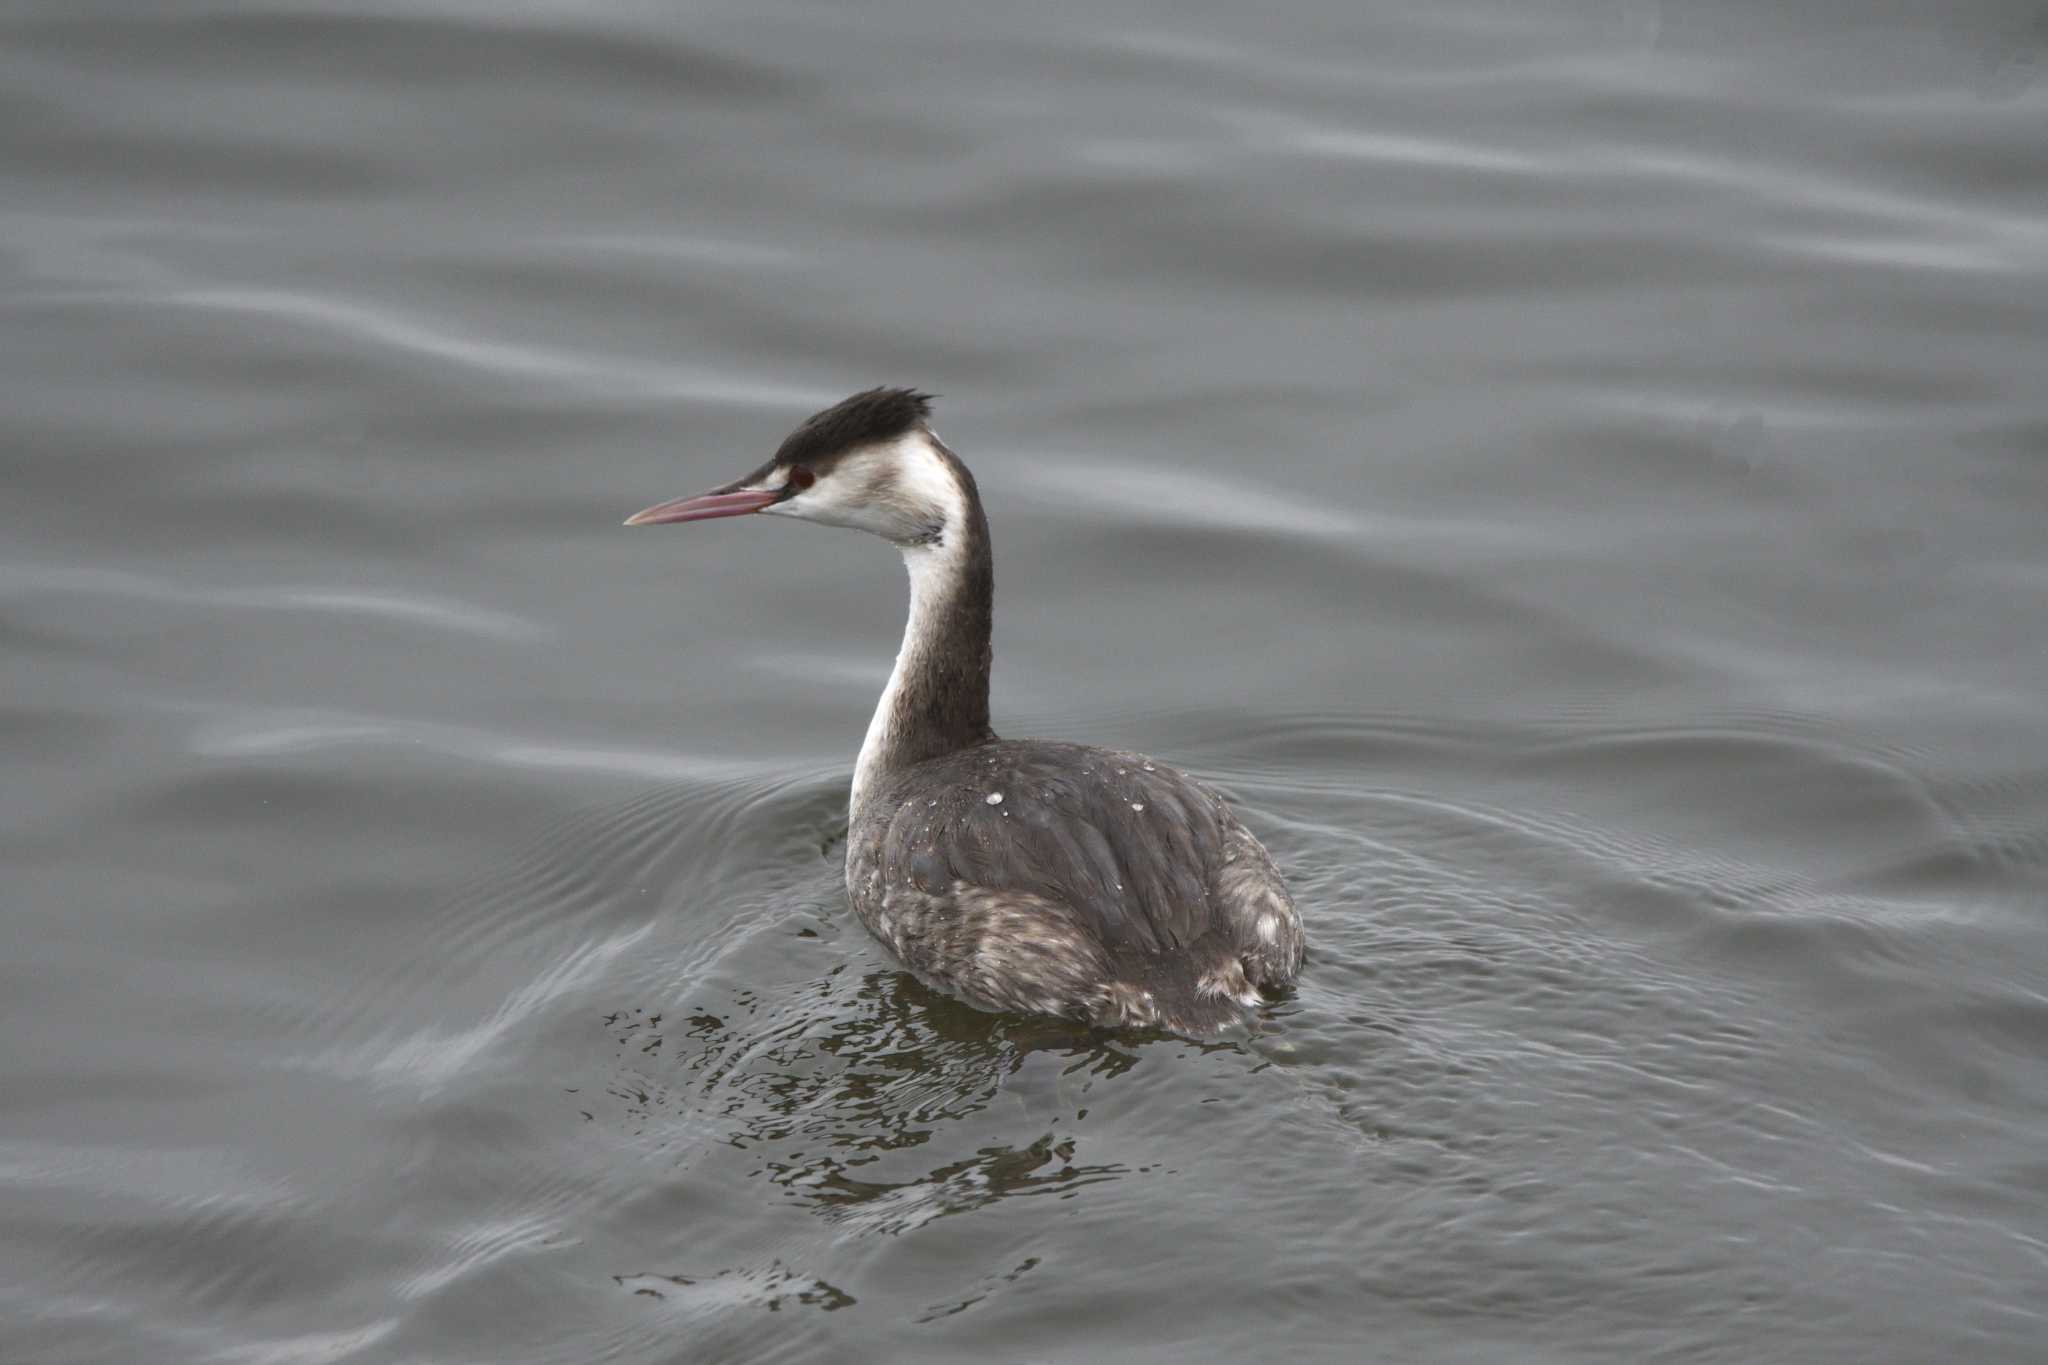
[(1017, 875)]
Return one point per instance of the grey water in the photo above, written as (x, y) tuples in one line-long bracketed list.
[(1574, 471)]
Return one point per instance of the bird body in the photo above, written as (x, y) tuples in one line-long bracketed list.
[(1051, 878), (1018, 875)]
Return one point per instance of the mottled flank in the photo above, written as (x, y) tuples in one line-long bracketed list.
[(1104, 887)]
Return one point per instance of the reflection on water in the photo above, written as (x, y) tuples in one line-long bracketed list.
[(824, 1098), (1574, 475), (774, 1288)]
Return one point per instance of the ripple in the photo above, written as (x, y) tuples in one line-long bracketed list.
[(308, 1348), (1264, 134), (863, 670), (1186, 499), (677, 247), (24, 580), (1197, 500), (452, 993), (387, 329), (383, 44), (1986, 237), (248, 733), (1893, 253), (177, 1174), (371, 1047), (201, 1225)]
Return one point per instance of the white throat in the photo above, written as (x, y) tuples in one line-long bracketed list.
[(934, 574), (923, 485), (906, 492)]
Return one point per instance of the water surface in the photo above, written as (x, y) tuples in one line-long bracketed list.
[(1575, 473)]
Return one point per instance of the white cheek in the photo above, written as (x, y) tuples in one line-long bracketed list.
[(920, 490), (827, 504)]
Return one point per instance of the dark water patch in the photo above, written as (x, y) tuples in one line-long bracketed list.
[(46, 731), (55, 142), (401, 50)]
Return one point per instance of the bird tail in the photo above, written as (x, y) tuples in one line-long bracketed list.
[(1202, 993)]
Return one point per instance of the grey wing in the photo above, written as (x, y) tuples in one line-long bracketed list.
[(1147, 860)]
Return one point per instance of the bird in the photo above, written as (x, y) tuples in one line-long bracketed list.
[(1020, 876)]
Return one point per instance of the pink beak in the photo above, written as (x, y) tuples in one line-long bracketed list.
[(705, 506)]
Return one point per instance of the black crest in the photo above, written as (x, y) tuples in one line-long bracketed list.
[(872, 417)]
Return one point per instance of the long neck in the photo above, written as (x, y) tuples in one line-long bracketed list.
[(937, 697)]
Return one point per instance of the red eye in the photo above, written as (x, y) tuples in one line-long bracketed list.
[(801, 477)]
